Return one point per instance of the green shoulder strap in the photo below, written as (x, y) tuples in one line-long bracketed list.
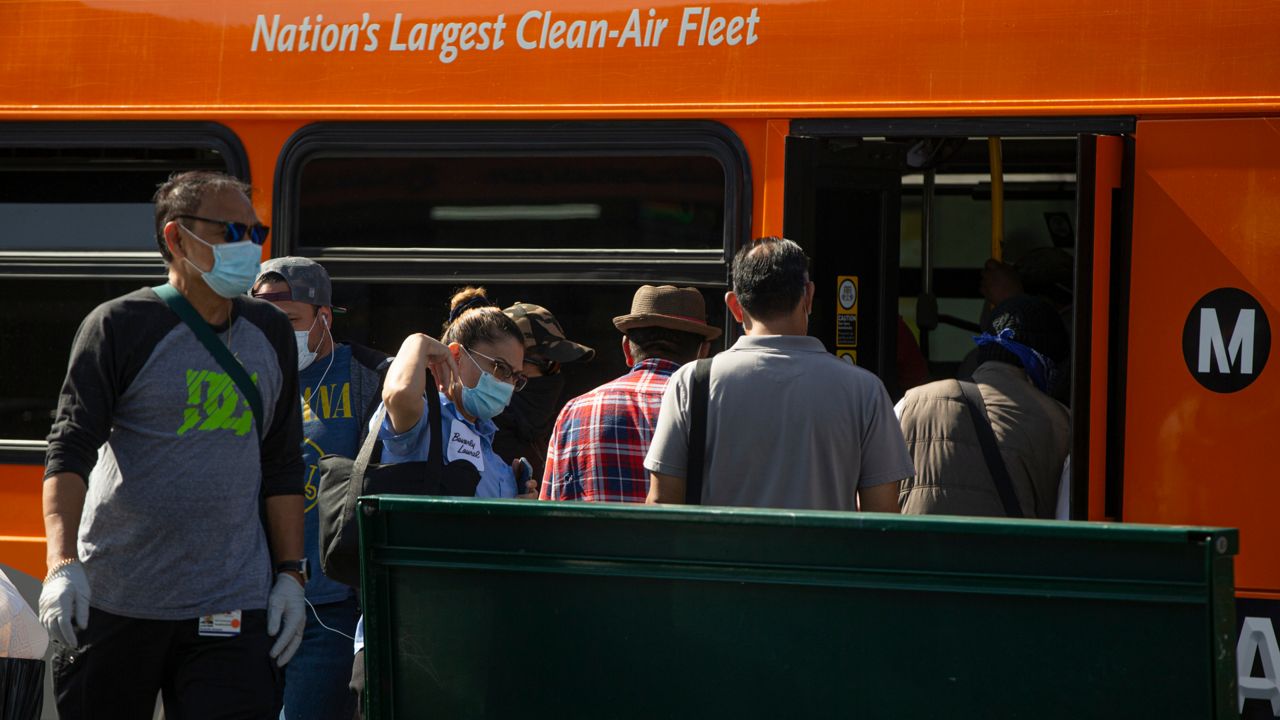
[(179, 305)]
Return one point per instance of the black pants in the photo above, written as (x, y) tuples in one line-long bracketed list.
[(123, 662)]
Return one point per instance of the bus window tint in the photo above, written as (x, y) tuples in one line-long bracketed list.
[(382, 315), (76, 230), (533, 202), (35, 341), (86, 199)]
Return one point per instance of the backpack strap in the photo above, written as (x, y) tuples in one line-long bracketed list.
[(183, 309), (990, 450), (699, 398)]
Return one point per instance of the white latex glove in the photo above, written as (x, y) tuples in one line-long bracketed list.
[(64, 599), (286, 617)]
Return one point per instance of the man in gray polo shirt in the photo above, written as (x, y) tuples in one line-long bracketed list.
[(788, 424)]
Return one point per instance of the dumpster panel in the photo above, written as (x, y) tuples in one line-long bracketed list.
[(492, 609)]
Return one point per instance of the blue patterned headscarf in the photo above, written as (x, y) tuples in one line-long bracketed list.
[(1039, 368)]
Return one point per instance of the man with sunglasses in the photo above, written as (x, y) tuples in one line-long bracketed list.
[(173, 481)]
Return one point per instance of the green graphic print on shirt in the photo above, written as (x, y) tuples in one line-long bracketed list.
[(212, 402)]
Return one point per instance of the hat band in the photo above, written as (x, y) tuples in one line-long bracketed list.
[(690, 318)]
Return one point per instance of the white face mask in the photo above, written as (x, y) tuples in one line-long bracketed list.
[(306, 355)]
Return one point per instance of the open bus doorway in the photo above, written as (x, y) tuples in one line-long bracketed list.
[(897, 217)]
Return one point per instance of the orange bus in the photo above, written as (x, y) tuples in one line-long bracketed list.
[(565, 152)]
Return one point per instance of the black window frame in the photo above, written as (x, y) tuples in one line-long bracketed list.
[(705, 267), (59, 134), (92, 264)]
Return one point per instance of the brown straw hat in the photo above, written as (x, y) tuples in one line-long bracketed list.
[(668, 307)]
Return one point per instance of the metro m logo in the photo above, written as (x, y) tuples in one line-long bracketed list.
[(1226, 340), (1241, 342)]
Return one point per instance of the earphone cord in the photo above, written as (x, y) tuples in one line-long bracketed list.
[(332, 351), (326, 627)]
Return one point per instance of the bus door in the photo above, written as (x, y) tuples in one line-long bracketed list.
[(843, 199), (898, 217), (1200, 386)]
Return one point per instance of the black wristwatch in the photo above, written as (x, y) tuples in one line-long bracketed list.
[(302, 567)]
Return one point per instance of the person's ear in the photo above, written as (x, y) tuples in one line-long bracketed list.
[(735, 307), (326, 317), (626, 351), (455, 348), (173, 239), (809, 290), (705, 350)]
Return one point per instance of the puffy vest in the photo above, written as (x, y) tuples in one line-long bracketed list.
[(1032, 430)]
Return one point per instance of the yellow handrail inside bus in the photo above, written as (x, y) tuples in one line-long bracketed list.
[(997, 198)]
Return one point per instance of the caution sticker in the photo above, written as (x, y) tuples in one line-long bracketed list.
[(847, 312)]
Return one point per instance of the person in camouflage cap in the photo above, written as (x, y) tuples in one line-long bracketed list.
[(524, 428)]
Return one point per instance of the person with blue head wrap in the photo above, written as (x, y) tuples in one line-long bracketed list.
[(1023, 343)]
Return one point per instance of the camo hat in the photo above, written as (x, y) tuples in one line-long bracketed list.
[(543, 335)]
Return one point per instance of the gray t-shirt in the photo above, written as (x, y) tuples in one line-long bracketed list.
[(171, 528), (788, 426)]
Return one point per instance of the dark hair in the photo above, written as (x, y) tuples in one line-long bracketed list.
[(182, 194), (480, 322), (675, 345), (769, 277), (1034, 323), (269, 277)]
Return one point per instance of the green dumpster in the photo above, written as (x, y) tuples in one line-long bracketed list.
[(504, 609)]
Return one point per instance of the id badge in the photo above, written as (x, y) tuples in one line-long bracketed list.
[(225, 624)]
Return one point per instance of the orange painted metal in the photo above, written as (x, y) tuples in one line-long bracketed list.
[(21, 522), (177, 58), (1206, 213), (1108, 161)]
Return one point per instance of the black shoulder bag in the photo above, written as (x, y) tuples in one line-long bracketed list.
[(343, 480), (699, 398), (991, 451)]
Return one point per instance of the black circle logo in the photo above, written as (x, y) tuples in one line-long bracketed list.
[(1226, 340)]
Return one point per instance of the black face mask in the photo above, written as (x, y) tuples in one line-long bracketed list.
[(533, 410)]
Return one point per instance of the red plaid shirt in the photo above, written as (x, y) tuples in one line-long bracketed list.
[(598, 446)]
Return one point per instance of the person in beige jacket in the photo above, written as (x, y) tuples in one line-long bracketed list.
[(1018, 352)]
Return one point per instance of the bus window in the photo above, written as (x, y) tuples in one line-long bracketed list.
[(569, 202), (381, 315), (570, 216), (75, 230)]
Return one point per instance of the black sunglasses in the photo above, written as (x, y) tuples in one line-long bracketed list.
[(235, 232)]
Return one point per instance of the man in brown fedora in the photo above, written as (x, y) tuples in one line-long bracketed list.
[(599, 442), (787, 424)]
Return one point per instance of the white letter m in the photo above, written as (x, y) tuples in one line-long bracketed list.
[(1225, 354)]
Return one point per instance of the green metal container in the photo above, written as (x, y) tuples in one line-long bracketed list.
[(513, 609)]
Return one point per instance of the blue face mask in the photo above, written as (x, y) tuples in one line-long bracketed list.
[(235, 266), (489, 397)]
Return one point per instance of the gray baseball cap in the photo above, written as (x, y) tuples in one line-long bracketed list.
[(308, 281)]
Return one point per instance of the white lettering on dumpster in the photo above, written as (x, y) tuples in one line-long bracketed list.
[(1258, 638)]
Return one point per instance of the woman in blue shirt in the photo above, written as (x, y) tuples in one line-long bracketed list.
[(475, 365)]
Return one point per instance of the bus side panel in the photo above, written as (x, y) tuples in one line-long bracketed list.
[(21, 521), (1198, 435)]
